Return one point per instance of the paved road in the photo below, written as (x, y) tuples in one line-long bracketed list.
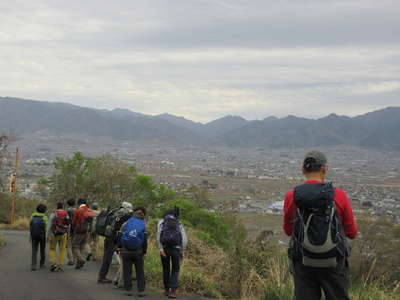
[(18, 282)]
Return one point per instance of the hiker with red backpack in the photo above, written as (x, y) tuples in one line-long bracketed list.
[(82, 225), (37, 228), (172, 242), (57, 235), (132, 241), (319, 219)]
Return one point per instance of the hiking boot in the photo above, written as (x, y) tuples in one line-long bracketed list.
[(33, 268), (42, 266), (58, 269), (166, 293), (88, 257), (53, 267), (79, 264), (172, 295), (141, 294), (104, 280), (128, 293), (70, 263)]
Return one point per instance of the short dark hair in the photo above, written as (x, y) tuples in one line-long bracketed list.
[(71, 202), (310, 165), (141, 208), (60, 205), (41, 208), (81, 201)]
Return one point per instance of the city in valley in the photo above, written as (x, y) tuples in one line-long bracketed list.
[(252, 182)]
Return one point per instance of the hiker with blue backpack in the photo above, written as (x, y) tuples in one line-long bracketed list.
[(57, 231), (172, 242), (319, 219), (132, 242), (37, 227)]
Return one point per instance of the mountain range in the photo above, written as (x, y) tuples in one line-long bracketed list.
[(378, 129)]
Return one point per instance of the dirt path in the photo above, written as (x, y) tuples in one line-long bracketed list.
[(18, 282)]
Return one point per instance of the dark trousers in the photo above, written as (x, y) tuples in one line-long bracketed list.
[(308, 282), (109, 249), (36, 242), (171, 275), (129, 258)]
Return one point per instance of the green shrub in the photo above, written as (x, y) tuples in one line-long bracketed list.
[(212, 228)]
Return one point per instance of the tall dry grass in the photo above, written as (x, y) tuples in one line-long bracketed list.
[(2, 240), (21, 223)]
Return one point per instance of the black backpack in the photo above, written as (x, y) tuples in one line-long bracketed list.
[(171, 235), (37, 227), (117, 218), (317, 239), (103, 220)]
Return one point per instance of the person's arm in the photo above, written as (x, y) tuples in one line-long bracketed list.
[(49, 224), (145, 244), (159, 245), (184, 238), (346, 214), (289, 209), (75, 217), (122, 228)]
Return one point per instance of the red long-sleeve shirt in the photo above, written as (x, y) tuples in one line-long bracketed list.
[(343, 208)]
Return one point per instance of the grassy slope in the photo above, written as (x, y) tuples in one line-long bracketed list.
[(208, 270)]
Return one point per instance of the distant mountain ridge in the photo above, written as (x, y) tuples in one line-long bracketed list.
[(379, 129)]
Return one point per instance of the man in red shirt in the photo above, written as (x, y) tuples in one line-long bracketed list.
[(81, 224), (309, 280)]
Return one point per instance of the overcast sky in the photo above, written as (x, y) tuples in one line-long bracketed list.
[(204, 59)]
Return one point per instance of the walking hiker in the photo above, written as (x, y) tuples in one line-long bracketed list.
[(172, 242), (82, 224), (133, 243), (70, 210), (318, 217), (115, 219), (57, 231), (93, 237), (37, 229)]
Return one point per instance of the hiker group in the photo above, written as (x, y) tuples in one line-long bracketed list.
[(74, 232), (317, 216)]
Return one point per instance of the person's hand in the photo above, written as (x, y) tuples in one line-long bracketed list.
[(163, 254)]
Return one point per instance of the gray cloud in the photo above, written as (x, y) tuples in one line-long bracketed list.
[(204, 59)]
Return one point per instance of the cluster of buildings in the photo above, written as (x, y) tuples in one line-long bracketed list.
[(255, 179)]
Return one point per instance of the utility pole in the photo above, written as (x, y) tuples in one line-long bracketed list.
[(13, 187)]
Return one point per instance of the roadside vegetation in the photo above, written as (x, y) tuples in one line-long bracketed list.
[(223, 260), (2, 240)]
